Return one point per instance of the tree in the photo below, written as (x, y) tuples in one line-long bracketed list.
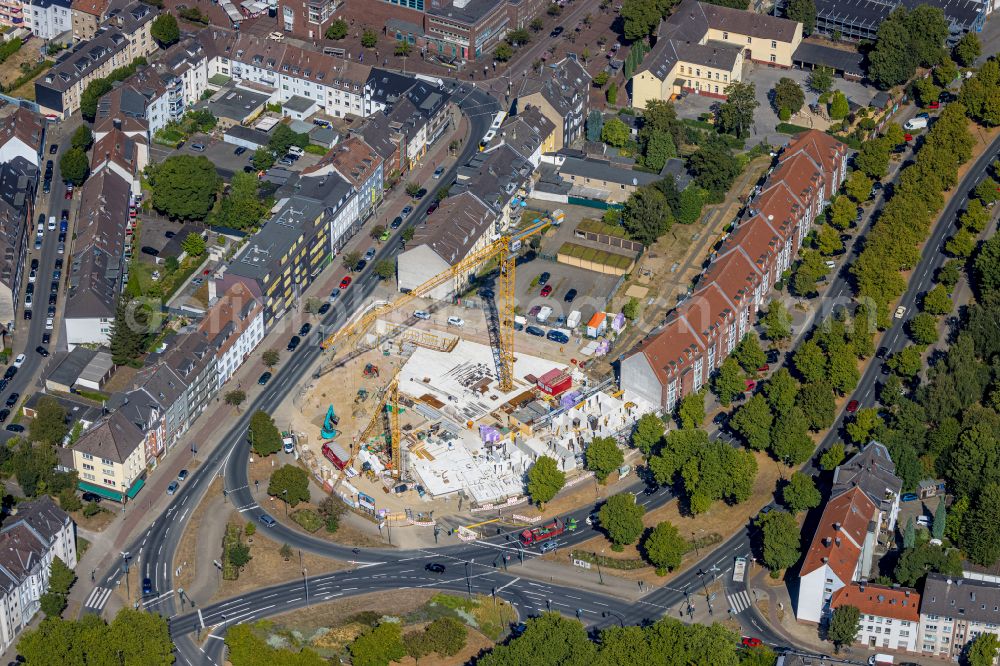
[(631, 308), (940, 519), (906, 362), (937, 301), (810, 361), (839, 108), (165, 30), (402, 49), (980, 528), (863, 426), (69, 501), (385, 269), (985, 268), (83, 138), (982, 651), (646, 215), (923, 329), (350, 259), (49, 425), (270, 358), (442, 193), (803, 11), (787, 93), (247, 649), (841, 212), (369, 38), (807, 273), (615, 133), (664, 547), (52, 604), (728, 381), (844, 625), (289, 483), (408, 234), (648, 433), (777, 322), (917, 561), (74, 166), (967, 49), (790, 440), (284, 137), (379, 646), (714, 167), (691, 411), (562, 640), (337, 30), (926, 90), (945, 72), (873, 158), (640, 18), (263, 159), (134, 637), (800, 493), (753, 421), (503, 52), (128, 332), (691, 201), (780, 537), (264, 436), (657, 147), (184, 186), (193, 244), (816, 401), (611, 94), (975, 217), (821, 79), (603, 457), (962, 244), (828, 241), (749, 354), (243, 207), (445, 635), (236, 398), (239, 555), (832, 457), (61, 577), (858, 186), (545, 479), (736, 113), (621, 518)]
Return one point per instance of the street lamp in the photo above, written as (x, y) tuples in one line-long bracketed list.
[(284, 495), (468, 580), (125, 559), (621, 620)]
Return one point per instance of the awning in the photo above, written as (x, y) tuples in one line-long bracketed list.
[(106, 493), (136, 487)]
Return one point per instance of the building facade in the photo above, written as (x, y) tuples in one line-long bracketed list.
[(110, 458), (235, 325), (561, 93), (890, 616), (954, 611)]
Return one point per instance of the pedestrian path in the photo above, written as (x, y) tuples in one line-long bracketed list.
[(739, 602), (95, 602)]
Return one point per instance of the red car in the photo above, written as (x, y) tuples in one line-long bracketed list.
[(546, 290), (346, 282), (764, 368), (751, 384), (852, 406), (750, 642), (908, 137), (934, 105)]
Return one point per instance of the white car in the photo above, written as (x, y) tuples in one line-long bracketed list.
[(422, 314), (900, 311), (32, 275), (831, 265), (52, 222), (27, 300), (456, 321), (370, 254), (48, 323), (19, 361)]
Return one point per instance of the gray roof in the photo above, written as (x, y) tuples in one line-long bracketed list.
[(961, 599), (71, 366), (469, 13), (565, 85), (386, 87), (18, 181), (873, 471), (602, 170), (850, 62), (113, 437), (42, 515), (299, 104), (84, 59), (250, 134), (494, 176), (76, 408), (456, 227), (236, 103), (675, 167)]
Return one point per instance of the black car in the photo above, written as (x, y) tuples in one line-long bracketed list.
[(47, 185), (30, 289), (534, 330), (42, 351), (14, 427), (294, 343), (151, 251), (881, 353), (59, 263), (53, 149), (360, 266), (421, 193), (4, 414), (323, 309), (570, 295), (169, 234), (773, 355), (10, 372), (435, 567), (53, 286), (46, 337), (27, 314), (12, 399), (543, 278), (239, 150), (91, 497), (3, 384), (34, 263), (52, 298), (557, 336), (249, 169), (395, 223), (304, 329), (557, 31), (264, 378)]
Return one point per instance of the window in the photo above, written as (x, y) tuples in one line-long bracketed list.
[(725, 35), (774, 44), (86, 466), (87, 456), (773, 58), (749, 40)]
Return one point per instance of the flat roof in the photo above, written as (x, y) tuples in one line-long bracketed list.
[(849, 62), (237, 104)]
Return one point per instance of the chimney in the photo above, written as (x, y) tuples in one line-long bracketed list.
[(861, 587), (836, 526), (825, 560), (826, 541), (837, 541)]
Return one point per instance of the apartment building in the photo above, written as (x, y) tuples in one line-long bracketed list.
[(954, 611), (87, 15), (357, 163), (462, 225), (124, 155), (890, 616), (465, 29), (235, 326), (12, 13), (500, 178), (529, 133), (859, 517), (124, 110), (18, 184), (49, 19), (22, 134), (33, 535), (680, 355), (110, 459), (59, 90), (701, 49), (183, 69), (306, 19), (561, 93)]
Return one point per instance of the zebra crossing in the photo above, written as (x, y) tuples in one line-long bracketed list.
[(97, 598), (739, 602)]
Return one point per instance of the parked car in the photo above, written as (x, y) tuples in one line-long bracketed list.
[(42, 351), (239, 150), (346, 282), (546, 290), (534, 330), (456, 321), (264, 378), (12, 399), (406, 211), (14, 427), (749, 641), (304, 329), (852, 406), (558, 30), (53, 149), (370, 254), (438, 172), (172, 488), (198, 147), (422, 314), (533, 312), (570, 295), (323, 309), (182, 475), (360, 266), (91, 497), (543, 278), (19, 361), (151, 251), (433, 207), (908, 497), (294, 343), (266, 520), (558, 336), (4, 414), (396, 222), (10, 372)]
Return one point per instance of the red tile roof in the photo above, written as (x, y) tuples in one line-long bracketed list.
[(841, 534), (899, 603), (822, 147)]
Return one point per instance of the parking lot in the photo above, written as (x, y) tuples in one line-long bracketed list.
[(222, 155)]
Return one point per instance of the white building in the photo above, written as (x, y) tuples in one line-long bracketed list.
[(235, 326), (22, 134), (890, 616), (31, 538), (48, 19), (954, 611)]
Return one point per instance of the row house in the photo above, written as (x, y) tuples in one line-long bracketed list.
[(357, 163), (529, 133), (22, 134), (890, 616), (561, 93), (501, 178), (125, 155), (31, 538), (859, 517), (18, 185), (954, 611), (699, 334), (234, 326), (337, 85), (87, 15), (122, 110)]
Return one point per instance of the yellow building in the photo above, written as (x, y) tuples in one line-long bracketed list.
[(110, 458), (702, 48)]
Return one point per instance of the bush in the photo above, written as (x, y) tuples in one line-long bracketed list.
[(308, 520)]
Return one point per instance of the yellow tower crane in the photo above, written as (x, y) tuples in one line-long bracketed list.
[(505, 249)]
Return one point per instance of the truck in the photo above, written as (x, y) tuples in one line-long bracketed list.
[(739, 569), (336, 454), (574, 319), (541, 533)]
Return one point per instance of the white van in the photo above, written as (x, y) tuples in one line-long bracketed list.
[(520, 322), (915, 123), (295, 150), (543, 314), (574, 319)]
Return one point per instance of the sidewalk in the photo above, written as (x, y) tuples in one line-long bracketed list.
[(208, 430)]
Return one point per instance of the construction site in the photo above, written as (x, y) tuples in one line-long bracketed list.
[(404, 409)]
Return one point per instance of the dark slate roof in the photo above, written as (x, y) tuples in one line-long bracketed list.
[(961, 598), (470, 13), (113, 437), (255, 136), (827, 56), (603, 170), (70, 367), (873, 471), (456, 227), (386, 87)]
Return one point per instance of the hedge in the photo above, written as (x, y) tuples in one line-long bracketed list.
[(789, 128)]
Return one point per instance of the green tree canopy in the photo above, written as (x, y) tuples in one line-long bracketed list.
[(803, 11), (621, 518), (165, 30), (844, 625), (82, 138), (821, 79), (615, 132), (133, 636), (983, 650), (664, 547), (545, 479), (787, 93), (691, 411), (967, 49), (561, 640), (379, 646), (246, 649), (264, 435), (736, 113), (603, 457), (289, 483), (780, 537), (753, 421), (648, 433), (337, 30), (184, 186), (49, 425), (646, 215), (800, 493), (728, 381), (74, 166), (777, 321)]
